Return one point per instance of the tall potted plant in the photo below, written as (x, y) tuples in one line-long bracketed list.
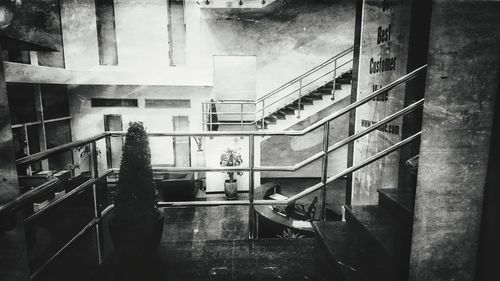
[(231, 158), (137, 224)]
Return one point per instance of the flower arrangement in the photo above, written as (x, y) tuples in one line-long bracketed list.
[(231, 158)]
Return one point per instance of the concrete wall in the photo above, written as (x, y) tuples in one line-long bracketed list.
[(141, 34), (291, 150), (35, 22), (287, 41), (461, 88), (88, 121), (384, 36), (79, 28)]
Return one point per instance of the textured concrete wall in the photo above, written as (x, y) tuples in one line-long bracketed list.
[(462, 84), (79, 28), (287, 41), (36, 22), (384, 37), (141, 33), (14, 259)]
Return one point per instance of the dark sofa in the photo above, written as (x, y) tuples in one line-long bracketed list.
[(178, 187)]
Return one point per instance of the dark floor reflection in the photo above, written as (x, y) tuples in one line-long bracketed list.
[(203, 243)]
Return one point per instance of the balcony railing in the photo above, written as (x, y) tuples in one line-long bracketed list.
[(255, 111), (100, 210)]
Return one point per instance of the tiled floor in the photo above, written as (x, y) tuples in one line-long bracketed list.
[(204, 243), (223, 260)]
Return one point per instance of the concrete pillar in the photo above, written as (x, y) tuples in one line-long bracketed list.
[(461, 88), (13, 255)]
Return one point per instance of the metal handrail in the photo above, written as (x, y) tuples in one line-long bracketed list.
[(45, 154), (27, 197), (262, 100), (299, 195), (256, 111), (65, 147), (251, 202), (298, 89)]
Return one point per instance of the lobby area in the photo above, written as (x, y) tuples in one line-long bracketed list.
[(322, 140)]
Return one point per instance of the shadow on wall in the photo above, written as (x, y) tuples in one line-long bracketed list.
[(287, 41)]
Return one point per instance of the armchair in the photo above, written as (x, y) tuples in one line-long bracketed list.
[(178, 187)]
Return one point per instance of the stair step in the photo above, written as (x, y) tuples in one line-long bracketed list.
[(287, 110), (306, 100), (399, 202), (324, 91), (295, 106), (383, 229), (338, 86), (279, 115), (315, 96), (270, 120), (343, 80), (259, 124), (352, 257)]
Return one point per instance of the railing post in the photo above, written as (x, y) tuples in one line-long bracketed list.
[(203, 120), (27, 151), (334, 79), (109, 160), (97, 211), (263, 114), (324, 170), (241, 116), (300, 96), (252, 227)]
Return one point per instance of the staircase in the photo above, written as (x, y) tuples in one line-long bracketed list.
[(301, 97), (374, 241), (311, 103)]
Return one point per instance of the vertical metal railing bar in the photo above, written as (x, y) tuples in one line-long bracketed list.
[(300, 97), (109, 160), (263, 114), (241, 116), (334, 80), (95, 196), (324, 170), (251, 208), (28, 167)]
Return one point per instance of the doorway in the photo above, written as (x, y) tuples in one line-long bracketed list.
[(182, 145), (113, 122)]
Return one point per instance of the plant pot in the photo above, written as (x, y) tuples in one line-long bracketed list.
[(132, 239), (231, 189)]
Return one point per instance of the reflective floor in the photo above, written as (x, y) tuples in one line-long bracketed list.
[(204, 243)]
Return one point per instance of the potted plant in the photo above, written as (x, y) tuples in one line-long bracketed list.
[(231, 158), (137, 224), (85, 152)]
